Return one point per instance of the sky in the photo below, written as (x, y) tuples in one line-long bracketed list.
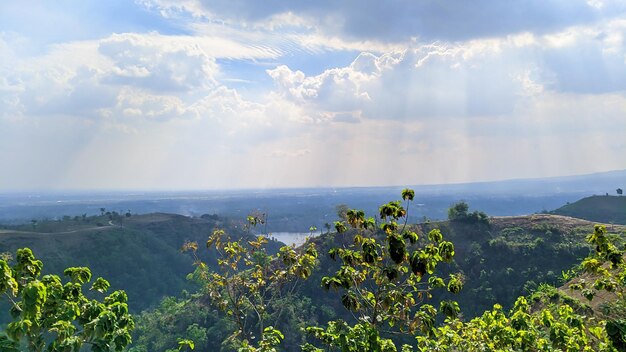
[(194, 94)]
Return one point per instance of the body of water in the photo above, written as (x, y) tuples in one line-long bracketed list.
[(292, 238)]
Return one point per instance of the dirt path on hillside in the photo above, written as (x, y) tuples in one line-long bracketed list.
[(566, 222), (87, 229)]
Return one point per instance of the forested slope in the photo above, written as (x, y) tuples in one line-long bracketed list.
[(140, 254), (499, 258)]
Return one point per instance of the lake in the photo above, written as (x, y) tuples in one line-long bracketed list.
[(289, 238)]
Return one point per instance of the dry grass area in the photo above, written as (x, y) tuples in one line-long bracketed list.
[(601, 297), (566, 223)]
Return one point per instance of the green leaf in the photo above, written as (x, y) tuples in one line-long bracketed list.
[(411, 236), (33, 298), (185, 343), (408, 194), (455, 285), (397, 248), (435, 235), (7, 282), (27, 266), (79, 274), (450, 309), (340, 226), (17, 329), (100, 285)]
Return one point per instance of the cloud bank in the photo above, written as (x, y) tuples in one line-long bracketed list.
[(198, 94)]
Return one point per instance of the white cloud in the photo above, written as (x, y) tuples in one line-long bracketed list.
[(475, 78), (400, 20), (305, 98), (149, 63), (428, 81)]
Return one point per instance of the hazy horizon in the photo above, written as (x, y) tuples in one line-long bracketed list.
[(139, 191)]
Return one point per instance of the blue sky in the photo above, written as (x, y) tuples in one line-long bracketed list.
[(164, 94)]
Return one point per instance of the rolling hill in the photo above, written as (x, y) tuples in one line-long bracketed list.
[(142, 257), (508, 257), (605, 209)]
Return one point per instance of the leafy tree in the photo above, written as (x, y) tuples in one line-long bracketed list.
[(554, 324), (554, 328), (52, 316), (249, 282), (385, 275), (608, 269), (460, 212), (181, 319)]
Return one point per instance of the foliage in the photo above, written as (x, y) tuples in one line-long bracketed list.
[(556, 328), (176, 319), (460, 212), (360, 337), (497, 261), (248, 280), (385, 274), (606, 271), (52, 316), (143, 257), (512, 257)]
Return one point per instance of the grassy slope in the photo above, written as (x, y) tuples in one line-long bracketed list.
[(605, 209)]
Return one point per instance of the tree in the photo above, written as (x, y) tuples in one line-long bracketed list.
[(554, 328), (458, 211), (54, 316), (385, 275), (555, 323), (619, 191), (250, 284)]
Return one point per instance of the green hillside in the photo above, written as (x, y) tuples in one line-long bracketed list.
[(509, 257), (605, 209), (499, 259), (139, 254)]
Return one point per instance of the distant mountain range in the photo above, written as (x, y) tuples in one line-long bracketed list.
[(295, 210), (595, 183)]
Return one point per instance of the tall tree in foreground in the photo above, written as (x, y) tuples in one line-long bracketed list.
[(54, 316), (252, 286), (385, 277)]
